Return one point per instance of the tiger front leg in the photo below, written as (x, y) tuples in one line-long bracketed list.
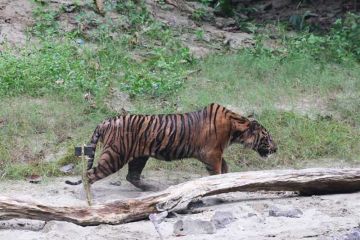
[(224, 166), (213, 162)]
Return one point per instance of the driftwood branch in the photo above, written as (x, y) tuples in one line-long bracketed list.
[(175, 198)]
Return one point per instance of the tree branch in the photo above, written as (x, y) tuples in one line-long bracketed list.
[(175, 198)]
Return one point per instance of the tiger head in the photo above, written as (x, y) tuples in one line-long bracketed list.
[(256, 137)]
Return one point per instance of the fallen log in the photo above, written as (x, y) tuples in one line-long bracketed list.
[(178, 197)]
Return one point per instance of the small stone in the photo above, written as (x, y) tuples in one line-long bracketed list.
[(353, 235), (67, 168), (158, 217), (291, 213), (116, 183), (188, 227), (60, 81), (196, 204), (221, 22), (118, 101), (80, 41), (69, 7), (222, 218), (198, 52), (34, 178), (88, 96), (54, 191), (251, 214), (237, 41), (22, 224)]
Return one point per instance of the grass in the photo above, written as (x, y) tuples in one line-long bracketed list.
[(311, 108), (309, 103), (38, 131), (263, 81), (145, 60), (71, 70), (46, 83)]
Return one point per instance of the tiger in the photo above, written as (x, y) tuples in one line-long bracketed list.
[(203, 135)]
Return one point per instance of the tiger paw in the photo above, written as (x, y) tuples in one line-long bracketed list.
[(137, 182), (147, 187)]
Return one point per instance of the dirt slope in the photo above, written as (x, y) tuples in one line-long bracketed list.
[(15, 17)]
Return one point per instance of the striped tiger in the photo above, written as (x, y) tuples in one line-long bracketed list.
[(203, 135)]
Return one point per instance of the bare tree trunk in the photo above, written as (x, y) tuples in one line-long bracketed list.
[(175, 198)]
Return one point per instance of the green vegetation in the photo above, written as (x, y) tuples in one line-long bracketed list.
[(148, 62), (306, 91), (39, 131), (342, 43), (293, 98)]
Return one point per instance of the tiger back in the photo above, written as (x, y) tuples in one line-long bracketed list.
[(204, 135)]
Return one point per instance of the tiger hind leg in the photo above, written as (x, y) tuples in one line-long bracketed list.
[(136, 167), (109, 163)]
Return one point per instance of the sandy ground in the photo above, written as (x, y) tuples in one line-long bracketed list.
[(323, 217)]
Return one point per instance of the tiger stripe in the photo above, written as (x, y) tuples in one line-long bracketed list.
[(203, 134)]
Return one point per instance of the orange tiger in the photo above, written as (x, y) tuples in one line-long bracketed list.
[(203, 135)]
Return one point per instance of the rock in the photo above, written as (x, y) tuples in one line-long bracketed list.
[(222, 218), (116, 183), (34, 178), (158, 217), (237, 41), (67, 168), (353, 235), (70, 7), (213, 200), (224, 22), (119, 101), (22, 224), (251, 214), (198, 52), (277, 4), (88, 96), (196, 204), (188, 227), (80, 41), (291, 213)]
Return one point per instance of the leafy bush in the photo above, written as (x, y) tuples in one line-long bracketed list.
[(55, 67), (347, 34), (341, 44), (45, 21)]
